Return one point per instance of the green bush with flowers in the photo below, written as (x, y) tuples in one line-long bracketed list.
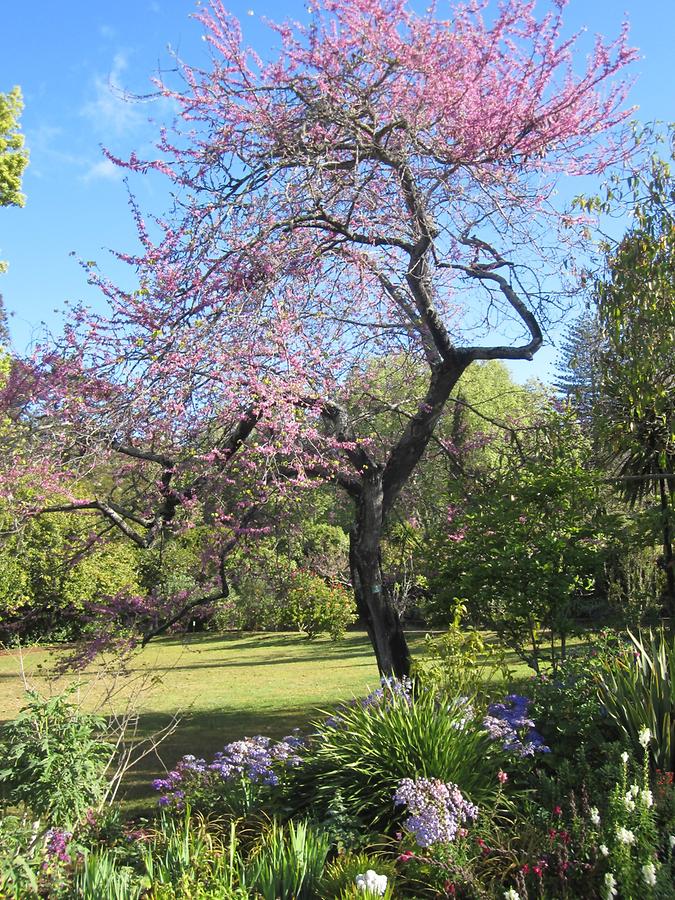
[(413, 791)]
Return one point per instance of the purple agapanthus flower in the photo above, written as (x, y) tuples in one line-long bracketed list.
[(257, 759), (438, 810), (390, 687), (509, 723)]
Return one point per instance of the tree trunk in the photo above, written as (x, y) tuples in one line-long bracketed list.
[(372, 600)]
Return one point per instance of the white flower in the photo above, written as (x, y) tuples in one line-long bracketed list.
[(672, 841), (629, 802), (634, 790), (649, 874), (511, 894), (647, 797), (624, 756), (610, 885), (595, 815), (604, 849), (645, 737), (624, 835), (372, 882)]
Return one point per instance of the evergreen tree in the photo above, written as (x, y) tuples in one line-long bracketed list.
[(579, 372)]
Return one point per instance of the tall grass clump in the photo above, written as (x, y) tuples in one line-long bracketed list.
[(636, 688), (288, 862), (364, 750)]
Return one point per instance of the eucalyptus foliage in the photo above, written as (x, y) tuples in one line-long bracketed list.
[(634, 416)]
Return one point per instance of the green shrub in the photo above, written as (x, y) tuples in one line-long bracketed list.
[(20, 848), (99, 876), (568, 711), (460, 659), (523, 554), (288, 862), (636, 687), (54, 759), (314, 606), (364, 750)]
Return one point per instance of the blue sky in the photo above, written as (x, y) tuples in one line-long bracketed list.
[(73, 59)]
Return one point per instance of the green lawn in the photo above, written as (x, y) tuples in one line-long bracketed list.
[(222, 686)]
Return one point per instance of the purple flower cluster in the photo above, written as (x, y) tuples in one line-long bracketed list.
[(56, 846), (438, 809), (390, 687), (257, 759), (508, 722)]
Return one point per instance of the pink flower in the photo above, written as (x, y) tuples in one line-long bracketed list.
[(502, 777)]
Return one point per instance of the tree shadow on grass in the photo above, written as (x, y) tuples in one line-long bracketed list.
[(352, 642), (222, 664), (201, 734)]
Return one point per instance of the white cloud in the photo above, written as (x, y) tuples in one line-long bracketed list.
[(104, 170), (112, 109)]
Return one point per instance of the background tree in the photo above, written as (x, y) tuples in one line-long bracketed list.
[(521, 554), (578, 370), (13, 156), (636, 308), (381, 186)]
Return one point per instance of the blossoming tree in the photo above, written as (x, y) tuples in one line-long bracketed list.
[(380, 186)]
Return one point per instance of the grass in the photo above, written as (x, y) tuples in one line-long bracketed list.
[(222, 686)]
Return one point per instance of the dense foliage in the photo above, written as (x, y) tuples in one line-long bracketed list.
[(54, 759), (304, 320), (409, 792), (522, 556), (354, 197)]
